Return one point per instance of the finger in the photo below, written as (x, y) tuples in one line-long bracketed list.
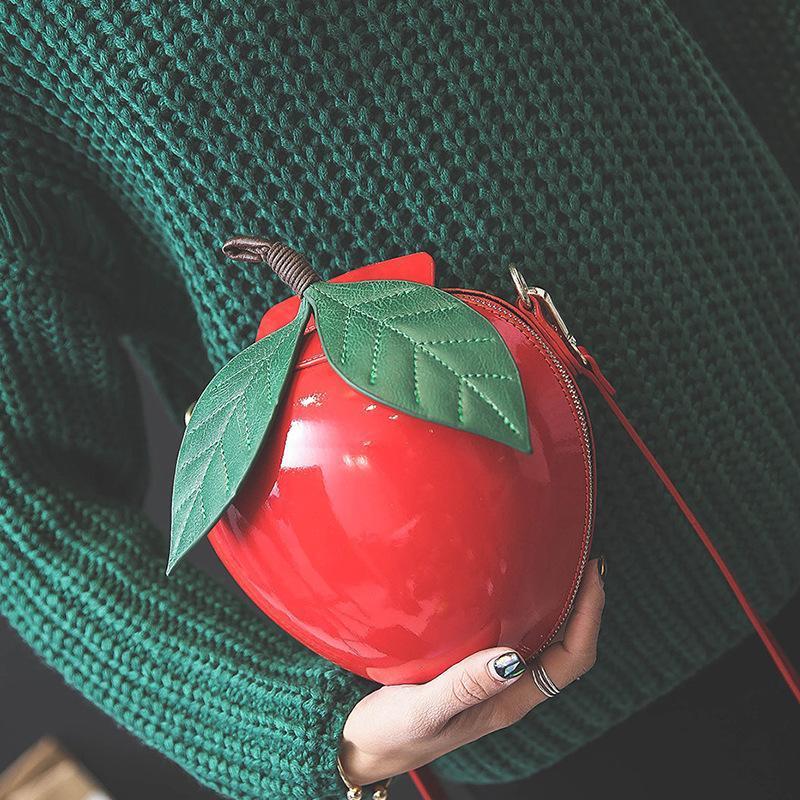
[(470, 682), (569, 659), (564, 661), (559, 637)]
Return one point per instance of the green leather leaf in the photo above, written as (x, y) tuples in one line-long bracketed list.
[(424, 352), (228, 425)]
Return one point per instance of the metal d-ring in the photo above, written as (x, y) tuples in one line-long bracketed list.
[(525, 292)]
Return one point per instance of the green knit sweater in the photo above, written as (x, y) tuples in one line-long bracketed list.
[(637, 158)]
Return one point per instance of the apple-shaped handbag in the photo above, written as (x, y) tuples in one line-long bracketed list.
[(398, 475)]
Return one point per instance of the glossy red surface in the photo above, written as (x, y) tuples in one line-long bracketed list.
[(395, 547)]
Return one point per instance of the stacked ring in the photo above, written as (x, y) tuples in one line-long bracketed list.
[(543, 681)]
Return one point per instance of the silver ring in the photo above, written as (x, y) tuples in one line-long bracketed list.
[(543, 681)]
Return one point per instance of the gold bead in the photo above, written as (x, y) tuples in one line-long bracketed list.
[(381, 793), (188, 413), (354, 793)]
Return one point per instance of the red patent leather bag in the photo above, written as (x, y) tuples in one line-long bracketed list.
[(395, 547)]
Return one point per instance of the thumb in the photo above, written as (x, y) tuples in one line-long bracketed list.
[(473, 680)]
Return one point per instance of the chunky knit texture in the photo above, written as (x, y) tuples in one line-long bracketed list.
[(637, 159)]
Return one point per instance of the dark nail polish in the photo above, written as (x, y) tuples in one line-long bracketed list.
[(507, 666), (601, 568)]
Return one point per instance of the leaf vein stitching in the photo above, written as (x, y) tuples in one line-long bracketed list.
[(373, 372), (506, 421), (414, 375), (474, 388), (224, 465), (347, 319), (489, 375), (475, 340), (257, 361), (423, 312), (193, 495), (200, 453)]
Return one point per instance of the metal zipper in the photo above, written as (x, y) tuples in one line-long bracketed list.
[(583, 417)]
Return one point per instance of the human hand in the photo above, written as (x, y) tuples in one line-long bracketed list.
[(398, 728)]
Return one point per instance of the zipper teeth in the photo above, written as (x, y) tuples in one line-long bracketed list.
[(587, 440)]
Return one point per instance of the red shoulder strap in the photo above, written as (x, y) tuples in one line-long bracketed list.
[(782, 662), (425, 782), (427, 785)]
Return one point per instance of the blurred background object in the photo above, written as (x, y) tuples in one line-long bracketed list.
[(46, 772)]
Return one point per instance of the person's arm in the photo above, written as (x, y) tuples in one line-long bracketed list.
[(182, 663)]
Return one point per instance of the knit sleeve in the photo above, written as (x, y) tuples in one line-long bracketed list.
[(181, 663)]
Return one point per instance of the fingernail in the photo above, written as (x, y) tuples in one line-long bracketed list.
[(507, 666), (601, 569)]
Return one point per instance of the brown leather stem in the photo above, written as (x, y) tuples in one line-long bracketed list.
[(289, 265)]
